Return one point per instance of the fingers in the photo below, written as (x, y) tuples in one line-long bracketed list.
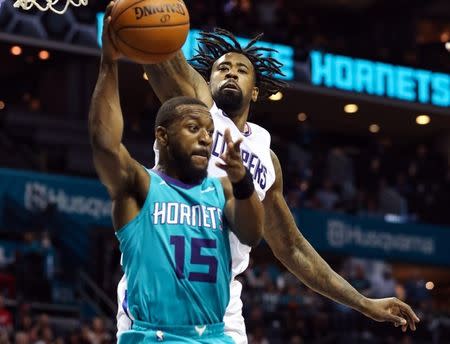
[(107, 17), (227, 136), (109, 8), (233, 151), (401, 315), (221, 166), (397, 321), (232, 146), (407, 312), (237, 146)]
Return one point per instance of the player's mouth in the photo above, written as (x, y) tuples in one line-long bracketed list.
[(230, 85), (201, 156)]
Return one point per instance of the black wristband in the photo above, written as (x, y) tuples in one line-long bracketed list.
[(244, 188)]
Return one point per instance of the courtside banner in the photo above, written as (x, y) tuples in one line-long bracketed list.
[(375, 238), (85, 202), (81, 200)]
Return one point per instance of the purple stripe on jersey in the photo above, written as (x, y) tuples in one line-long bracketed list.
[(248, 130), (125, 306), (174, 181)]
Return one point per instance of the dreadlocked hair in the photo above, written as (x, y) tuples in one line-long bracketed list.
[(214, 45)]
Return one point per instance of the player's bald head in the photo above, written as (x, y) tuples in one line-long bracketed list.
[(175, 108)]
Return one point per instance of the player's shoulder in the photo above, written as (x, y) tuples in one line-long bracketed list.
[(255, 128), (214, 110), (212, 182)]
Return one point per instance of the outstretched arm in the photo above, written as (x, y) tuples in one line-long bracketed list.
[(176, 77), (116, 169), (297, 254), (244, 210)]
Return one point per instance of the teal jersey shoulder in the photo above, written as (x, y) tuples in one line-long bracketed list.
[(176, 254)]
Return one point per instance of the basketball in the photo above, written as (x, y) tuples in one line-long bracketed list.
[(149, 31)]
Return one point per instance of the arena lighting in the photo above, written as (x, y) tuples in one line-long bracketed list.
[(302, 117), (145, 76), (447, 46), (423, 119), (35, 104), (2, 105), (276, 97), (374, 128), (429, 285), (44, 55), (16, 50), (445, 36), (351, 108)]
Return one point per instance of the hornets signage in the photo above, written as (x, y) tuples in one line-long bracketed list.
[(380, 79)]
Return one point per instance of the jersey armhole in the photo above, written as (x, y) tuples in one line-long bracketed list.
[(153, 180), (220, 190)]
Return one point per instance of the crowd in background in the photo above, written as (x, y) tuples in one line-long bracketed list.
[(367, 179), (402, 37), (277, 309)]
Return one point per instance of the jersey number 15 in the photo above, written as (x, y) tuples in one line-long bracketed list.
[(179, 242)]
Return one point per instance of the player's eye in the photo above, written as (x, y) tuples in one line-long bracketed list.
[(223, 68), (243, 71), (211, 132), (193, 128)]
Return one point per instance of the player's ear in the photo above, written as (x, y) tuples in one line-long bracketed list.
[(255, 93), (161, 136)]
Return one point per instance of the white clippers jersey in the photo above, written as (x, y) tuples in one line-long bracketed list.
[(255, 151)]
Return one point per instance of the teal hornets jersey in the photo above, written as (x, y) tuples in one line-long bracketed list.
[(176, 254)]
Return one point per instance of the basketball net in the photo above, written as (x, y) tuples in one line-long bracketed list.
[(49, 5)]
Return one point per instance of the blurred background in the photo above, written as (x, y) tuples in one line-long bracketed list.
[(363, 135)]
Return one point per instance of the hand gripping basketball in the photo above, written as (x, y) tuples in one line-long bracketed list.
[(109, 50)]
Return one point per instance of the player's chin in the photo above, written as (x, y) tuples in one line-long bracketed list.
[(198, 169), (199, 174), (199, 162), (230, 95)]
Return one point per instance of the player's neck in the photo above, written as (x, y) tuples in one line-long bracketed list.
[(164, 169), (174, 172), (240, 117)]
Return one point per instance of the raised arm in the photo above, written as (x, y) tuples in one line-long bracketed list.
[(244, 211), (297, 254), (176, 77), (116, 169)]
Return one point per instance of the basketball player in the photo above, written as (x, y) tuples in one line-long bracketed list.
[(228, 79), (173, 222)]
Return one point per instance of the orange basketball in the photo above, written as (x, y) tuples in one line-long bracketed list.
[(149, 31)]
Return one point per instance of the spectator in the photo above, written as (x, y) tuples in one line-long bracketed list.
[(326, 197), (359, 280), (21, 338), (6, 318), (98, 333), (383, 284)]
